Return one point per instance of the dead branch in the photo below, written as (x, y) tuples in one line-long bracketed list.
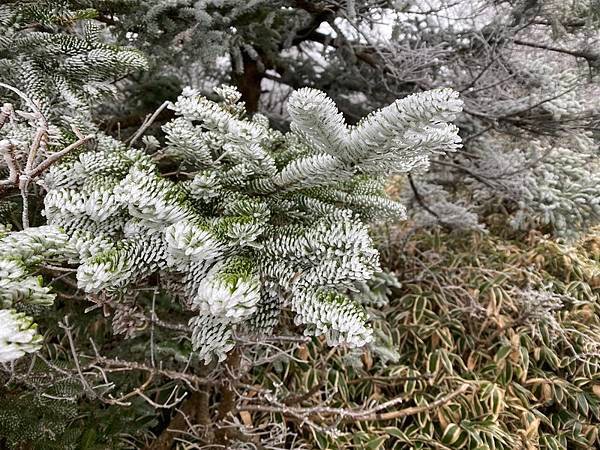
[(21, 178), (149, 120), (348, 415)]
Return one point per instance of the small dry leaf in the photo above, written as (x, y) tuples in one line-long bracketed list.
[(367, 359), (586, 313), (532, 429), (546, 392), (472, 361), (246, 418), (492, 308), (442, 419), (303, 352), (515, 354)]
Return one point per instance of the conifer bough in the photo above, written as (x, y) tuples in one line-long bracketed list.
[(261, 220)]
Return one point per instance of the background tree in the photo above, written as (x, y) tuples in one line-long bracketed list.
[(526, 71)]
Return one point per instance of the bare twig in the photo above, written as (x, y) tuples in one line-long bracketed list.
[(7, 150), (29, 102), (420, 200), (372, 414), (22, 178), (385, 380), (65, 326), (591, 58), (115, 365), (54, 157), (153, 315), (147, 123)]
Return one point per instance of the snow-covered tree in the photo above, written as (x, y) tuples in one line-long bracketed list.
[(523, 68)]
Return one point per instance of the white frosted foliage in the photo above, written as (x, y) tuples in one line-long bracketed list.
[(253, 220), (18, 335)]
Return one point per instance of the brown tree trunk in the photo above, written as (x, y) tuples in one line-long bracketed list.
[(248, 82), (227, 404)]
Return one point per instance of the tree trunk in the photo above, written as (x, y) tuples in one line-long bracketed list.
[(248, 82), (227, 404)]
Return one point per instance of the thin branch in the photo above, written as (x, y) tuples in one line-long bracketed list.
[(148, 122), (65, 326), (467, 171), (54, 157), (115, 365), (420, 199), (385, 380), (7, 150), (417, 409), (348, 415), (590, 57), (29, 102), (154, 317)]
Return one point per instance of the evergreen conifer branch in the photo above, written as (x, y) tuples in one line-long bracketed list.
[(238, 235)]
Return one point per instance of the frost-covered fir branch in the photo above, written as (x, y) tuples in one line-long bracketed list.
[(547, 184), (18, 335), (262, 220), (58, 53), (20, 254)]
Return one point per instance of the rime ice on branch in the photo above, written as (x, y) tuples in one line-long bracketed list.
[(259, 220)]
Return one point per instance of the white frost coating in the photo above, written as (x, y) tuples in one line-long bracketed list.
[(250, 219), (18, 335)]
